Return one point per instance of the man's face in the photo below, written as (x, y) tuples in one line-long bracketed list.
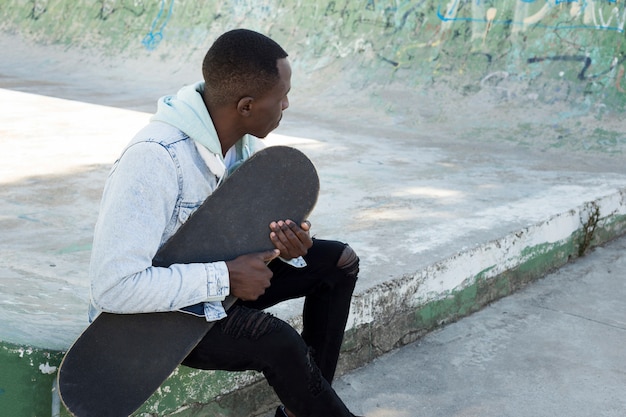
[(268, 108)]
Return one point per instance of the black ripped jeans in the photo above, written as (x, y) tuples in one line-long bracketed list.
[(300, 368)]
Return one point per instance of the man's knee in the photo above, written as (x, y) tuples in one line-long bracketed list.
[(249, 323), (349, 262)]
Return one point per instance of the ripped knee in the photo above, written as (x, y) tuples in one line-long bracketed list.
[(349, 262)]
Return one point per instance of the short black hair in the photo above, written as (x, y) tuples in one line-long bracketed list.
[(240, 63)]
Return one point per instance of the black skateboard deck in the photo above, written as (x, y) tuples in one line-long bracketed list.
[(121, 359)]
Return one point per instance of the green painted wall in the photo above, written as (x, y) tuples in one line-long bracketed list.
[(547, 50), (26, 380)]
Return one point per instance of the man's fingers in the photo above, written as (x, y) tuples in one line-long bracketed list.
[(290, 238), (270, 254), (292, 231), (288, 235)]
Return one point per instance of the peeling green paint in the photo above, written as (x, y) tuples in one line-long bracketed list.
[(609, 227), (26, 379), (538, 260), (189, 387)]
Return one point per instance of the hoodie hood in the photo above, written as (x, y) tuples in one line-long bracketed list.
[(187, 112)]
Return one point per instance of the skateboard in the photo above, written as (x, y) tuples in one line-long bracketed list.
[(121, 359)]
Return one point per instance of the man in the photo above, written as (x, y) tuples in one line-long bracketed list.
[(193, 141)]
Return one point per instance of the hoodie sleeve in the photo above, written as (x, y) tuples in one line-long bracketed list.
[(137, 204)]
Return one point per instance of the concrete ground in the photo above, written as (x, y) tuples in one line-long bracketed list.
[(555, 348)]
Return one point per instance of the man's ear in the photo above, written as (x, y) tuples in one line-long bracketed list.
[(244, 106)]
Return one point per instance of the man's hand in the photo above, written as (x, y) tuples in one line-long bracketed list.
[(290, 239), (249, 274)]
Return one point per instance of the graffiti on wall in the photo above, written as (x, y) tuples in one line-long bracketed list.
[(462, 41), (155, 36), (553, 14), (575, 43)]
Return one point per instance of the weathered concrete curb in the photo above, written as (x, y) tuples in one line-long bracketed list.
[(401, 310)]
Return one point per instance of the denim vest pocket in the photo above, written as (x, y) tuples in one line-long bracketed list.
[(185, 212), (182, 213)]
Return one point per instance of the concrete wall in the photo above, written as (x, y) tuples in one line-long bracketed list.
[(530, 50)]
